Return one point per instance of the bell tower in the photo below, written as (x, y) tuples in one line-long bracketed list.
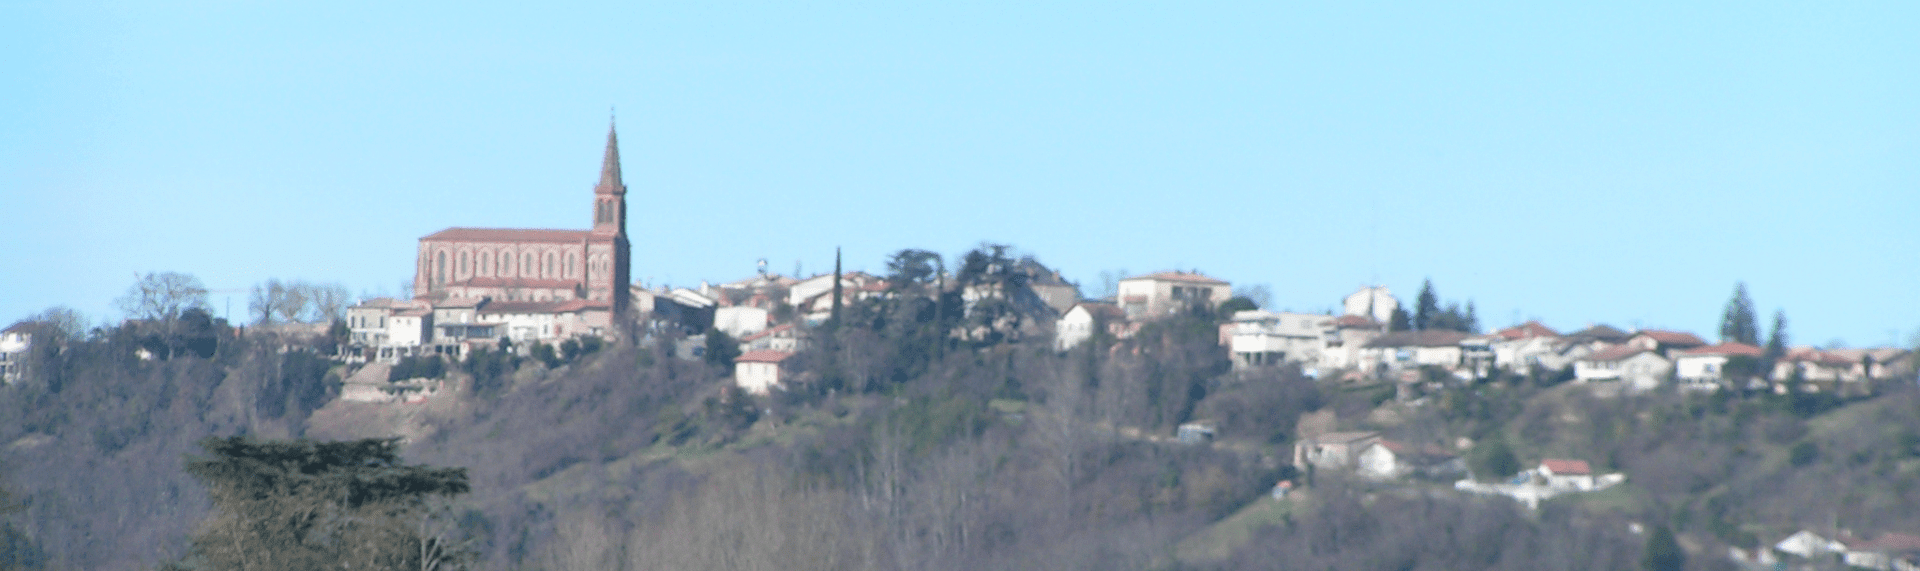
[(609, 271)]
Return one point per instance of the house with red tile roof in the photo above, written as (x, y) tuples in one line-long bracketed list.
[(1523, 346), (1566, 474), (1665, 342), (1705, 368), (758, 372)]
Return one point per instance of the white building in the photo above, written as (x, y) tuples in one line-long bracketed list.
[(1637, 367), (740, 320), (15, 341), (1704, 368), (1262, 338), (1373, 302), (1163, 293), (1085, 319), (758, 371)]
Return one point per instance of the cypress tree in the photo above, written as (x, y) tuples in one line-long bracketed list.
[(1738, 323)]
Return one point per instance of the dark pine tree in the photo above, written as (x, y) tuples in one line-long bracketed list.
[(1738, 323), (1426, 308)]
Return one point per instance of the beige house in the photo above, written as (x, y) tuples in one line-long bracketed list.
[(758, 372), (1566, 474), (1351, 333), (1163, 293), (1412, 349), (1372, 302), (1520, 347)]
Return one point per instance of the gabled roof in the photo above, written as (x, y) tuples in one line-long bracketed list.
[(1619, 353), (506, 235), (569, 306), (1526, 330), (1680, 338), (1102, 311), (1567, 467), (763, 356), (1428, 338), (1601, 332), (1177, 276), (1724, 349), (1344, 437), (18, 327)]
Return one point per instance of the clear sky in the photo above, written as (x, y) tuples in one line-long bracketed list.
[(1616, 162)]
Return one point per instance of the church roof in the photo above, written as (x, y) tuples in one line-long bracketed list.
[(506, 235), (610, 167)]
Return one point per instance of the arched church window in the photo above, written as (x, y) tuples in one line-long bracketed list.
[(526, 265), (486, 262), (506, 264), (569, 269), (547, 270), (440, 268), (464, 268)]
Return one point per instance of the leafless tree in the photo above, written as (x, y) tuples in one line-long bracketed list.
[(162, 296)]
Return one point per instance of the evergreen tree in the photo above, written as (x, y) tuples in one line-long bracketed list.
[(1472, 320), (1663, 552), (1738, 323), (1777, 338), (1426, 307), (1399, 321), (321, 505)]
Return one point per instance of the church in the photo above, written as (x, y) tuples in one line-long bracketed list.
[(574, 269)]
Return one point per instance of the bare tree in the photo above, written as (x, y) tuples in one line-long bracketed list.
[(162, 296), (64, 321)]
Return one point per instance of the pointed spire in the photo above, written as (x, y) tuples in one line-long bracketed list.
[(610, 165)]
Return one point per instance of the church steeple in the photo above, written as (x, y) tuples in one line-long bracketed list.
[(610, 195)]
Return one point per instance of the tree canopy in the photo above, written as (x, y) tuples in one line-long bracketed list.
[(1737, 322), (310, 505)]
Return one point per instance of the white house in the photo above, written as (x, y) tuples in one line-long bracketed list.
[(1410, 349), (1566, 474), (1387, 460), (1350, 334), (1808, 544), (758, 371), (1080, 323), (1332, 450), (1703, 368), (1261, 338), (740, 320), (15, 340), (1159, 294), (782, 337), (1520, 347), (1636, 367), (1665, 342)]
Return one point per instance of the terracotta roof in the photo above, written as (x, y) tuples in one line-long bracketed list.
[(506, 235), (568, 306), (1567, 467), (1615, 353), (767, 332), (1349, 321), (1177, 276), (1428, 338), (763, 356), (18, 327), (1671, 337), (1726, 349), (1892, 543), (418, 312), (1103, 311), (1602, 332), (1526, 330), (459, 302)]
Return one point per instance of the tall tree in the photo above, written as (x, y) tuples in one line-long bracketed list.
[(321, 505), (1472, 320), (1738, 322), (162, 296), (1777, 338), (1663, 552), (1399, 321), (1426, 307)]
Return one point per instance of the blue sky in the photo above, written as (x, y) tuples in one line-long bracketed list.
[(1623, 163)]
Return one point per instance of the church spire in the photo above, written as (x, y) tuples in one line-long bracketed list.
[(610, 165)]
